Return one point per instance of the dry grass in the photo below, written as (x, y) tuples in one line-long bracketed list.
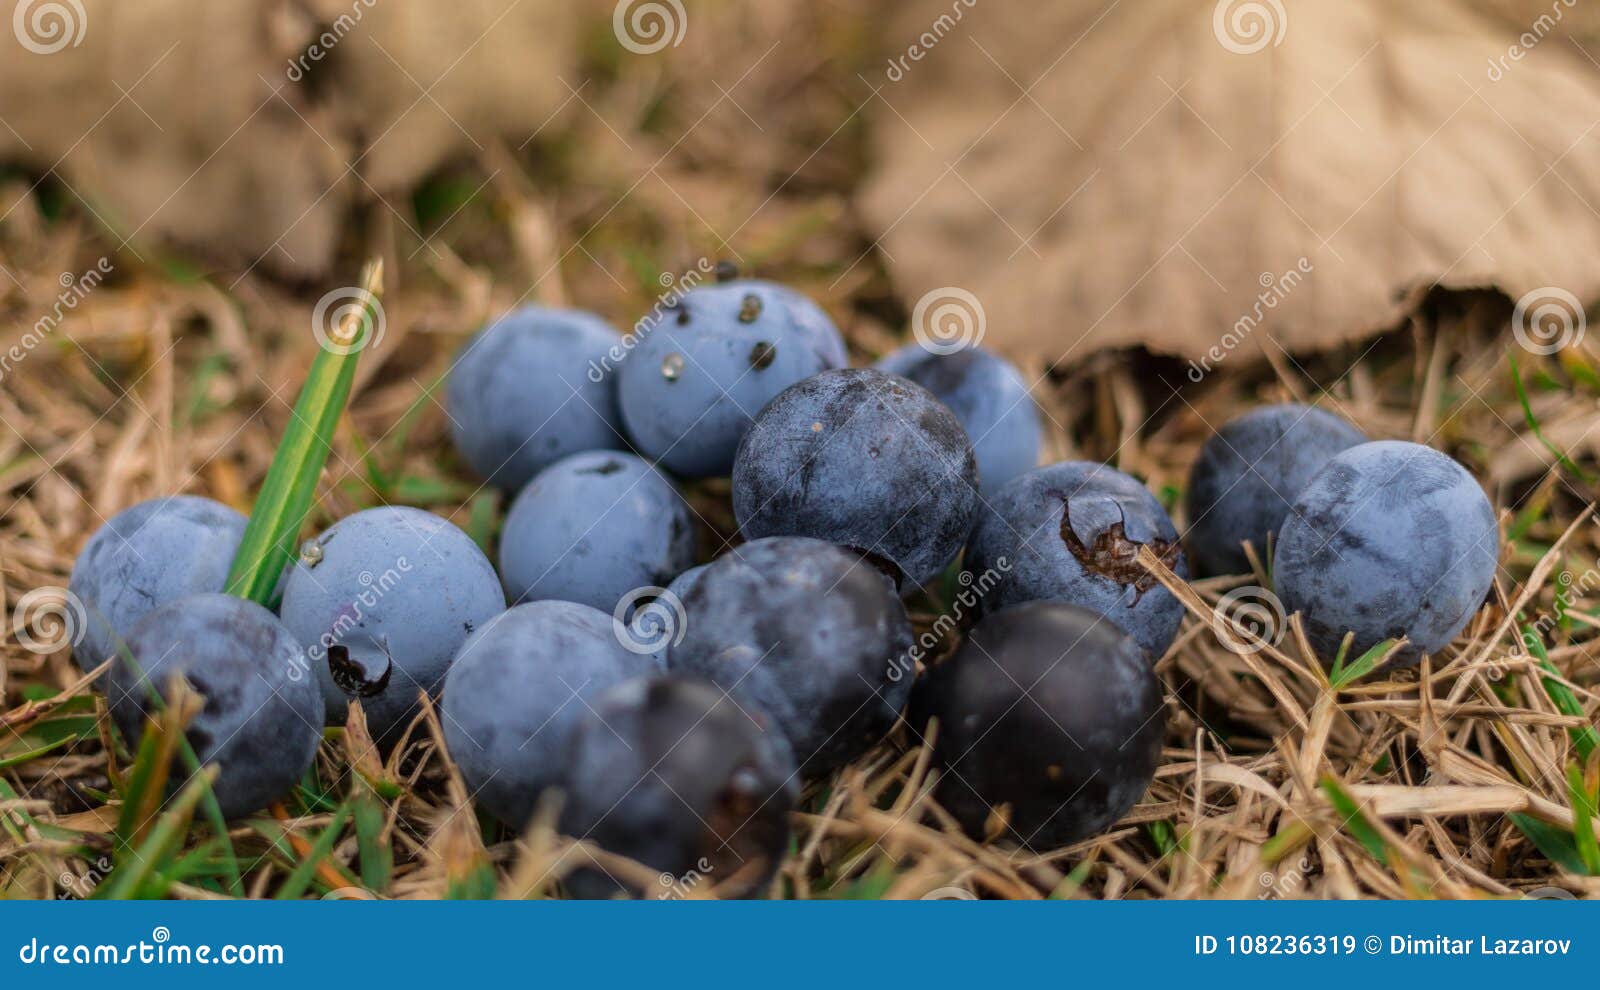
[(162, 381)]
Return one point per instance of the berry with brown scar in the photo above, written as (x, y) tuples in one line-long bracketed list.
[(1072, 532), (1050, 725)]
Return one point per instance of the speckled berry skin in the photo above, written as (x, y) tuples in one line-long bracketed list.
[(382, 612), (1247, 475), (1390, 539), (515, 692), (671, 774), (593, 527), (260, 724), (989, 397), (532, 388), (812, 320), (685, 582), (807, 632), (1050, 725), (863, 459), (1070, 532), (695, 379), (145, 556)]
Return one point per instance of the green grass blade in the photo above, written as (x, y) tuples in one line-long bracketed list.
[(1556, 844), (306, 869), (1585, 740), (1362, 666), (1583, 814), (1535, 428), (1354, 821), (291, 482)]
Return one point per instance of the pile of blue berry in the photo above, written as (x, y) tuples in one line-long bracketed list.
[(666, 704)]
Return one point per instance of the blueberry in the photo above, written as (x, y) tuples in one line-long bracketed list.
[(262, 718), (669, 773), (531, 388), (697, 377), (863, 459), (593, 527), (1070, 531), (516, 689), (146, 556), (685, 582), (382, 600), (1390, 539), (1247, 474), (989, 397), (813, 322), (1050, 725), (806, 632)]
